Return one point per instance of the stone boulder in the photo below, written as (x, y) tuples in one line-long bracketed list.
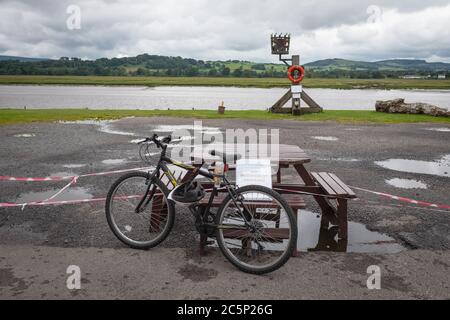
[(399, 106)]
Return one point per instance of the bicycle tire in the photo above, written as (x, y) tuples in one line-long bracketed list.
[(292, 240), (110, 219)]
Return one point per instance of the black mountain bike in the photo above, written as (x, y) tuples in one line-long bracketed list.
[(254, 226)]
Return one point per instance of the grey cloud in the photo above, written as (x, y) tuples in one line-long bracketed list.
[(210, 29)]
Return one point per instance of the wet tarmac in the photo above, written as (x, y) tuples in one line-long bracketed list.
[(354, 157), (74, 193)]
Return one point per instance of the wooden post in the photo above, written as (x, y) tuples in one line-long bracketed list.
[(296, 102), (278, 106), (310, 102)]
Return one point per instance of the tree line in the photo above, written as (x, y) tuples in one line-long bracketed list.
[(154, 65)]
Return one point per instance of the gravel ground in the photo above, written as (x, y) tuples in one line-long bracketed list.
[(53, 146)]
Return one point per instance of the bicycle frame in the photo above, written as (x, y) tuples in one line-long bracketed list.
[(195, 171)]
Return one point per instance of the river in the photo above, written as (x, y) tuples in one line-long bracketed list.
[(126, 97)]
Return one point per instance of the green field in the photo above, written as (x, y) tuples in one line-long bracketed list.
[(18, 116), (228, 82)]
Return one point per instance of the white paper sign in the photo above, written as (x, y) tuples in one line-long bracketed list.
[(254, 172), (296, 89)]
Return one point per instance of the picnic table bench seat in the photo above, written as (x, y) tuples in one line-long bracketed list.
[(338, 190), (332, 185), (296, 202)]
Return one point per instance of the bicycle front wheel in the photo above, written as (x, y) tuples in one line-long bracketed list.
[(257, 231), (139, 214)]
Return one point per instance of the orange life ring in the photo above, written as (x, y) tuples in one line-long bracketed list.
[(291, 72)]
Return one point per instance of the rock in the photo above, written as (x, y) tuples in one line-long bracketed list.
[(399, 106)]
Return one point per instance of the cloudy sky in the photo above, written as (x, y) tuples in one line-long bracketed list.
[(227, 29)]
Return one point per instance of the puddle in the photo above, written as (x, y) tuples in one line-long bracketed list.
[(77, 193), (114, 161), (62, 174), (440, 167), (74, 166), (406, 184), (360, 239), (340, 159), (311, 238), (325, 138), (439, 129), (25, 135), (104, 126), (169, 128)]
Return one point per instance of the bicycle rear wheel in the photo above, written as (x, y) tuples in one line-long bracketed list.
[(147, 228), (263, 238)]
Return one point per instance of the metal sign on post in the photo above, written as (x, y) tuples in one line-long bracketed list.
[(280, 46)]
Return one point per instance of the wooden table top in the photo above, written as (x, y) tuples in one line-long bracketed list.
[(288, 154)]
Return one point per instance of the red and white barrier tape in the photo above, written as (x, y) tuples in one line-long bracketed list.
[(9, 178), (403, 199), (55, 203), (74, 179)]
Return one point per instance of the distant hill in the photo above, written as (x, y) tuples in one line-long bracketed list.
[(408, 65), (21, 59), (155, 65)]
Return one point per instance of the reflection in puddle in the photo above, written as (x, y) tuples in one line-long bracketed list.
[(312, 238), (105, 126), (114, 161), (62, 174), (439, 168), (406, 184), (340, 159), (74, 166), (325, 138), (439, 129), (25, 135), (169, 128), (77, 193)]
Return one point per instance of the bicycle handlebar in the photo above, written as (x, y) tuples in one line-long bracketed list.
[(160, 143)]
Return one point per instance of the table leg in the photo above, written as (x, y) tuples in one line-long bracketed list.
[(342, 217), (326, 208), (279, 175), (203, 243)]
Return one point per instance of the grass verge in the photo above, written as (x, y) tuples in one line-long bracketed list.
[(18, 116)]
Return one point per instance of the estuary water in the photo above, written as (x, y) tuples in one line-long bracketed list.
[(200, 98)]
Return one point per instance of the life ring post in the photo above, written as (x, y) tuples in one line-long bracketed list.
[(291, 74)]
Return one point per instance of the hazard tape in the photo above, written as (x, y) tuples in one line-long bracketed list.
[(403, 199), (74, 179), (56, 178), (56, 203)]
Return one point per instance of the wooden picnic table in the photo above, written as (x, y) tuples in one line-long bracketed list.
[(324, 187), (330, 193)]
